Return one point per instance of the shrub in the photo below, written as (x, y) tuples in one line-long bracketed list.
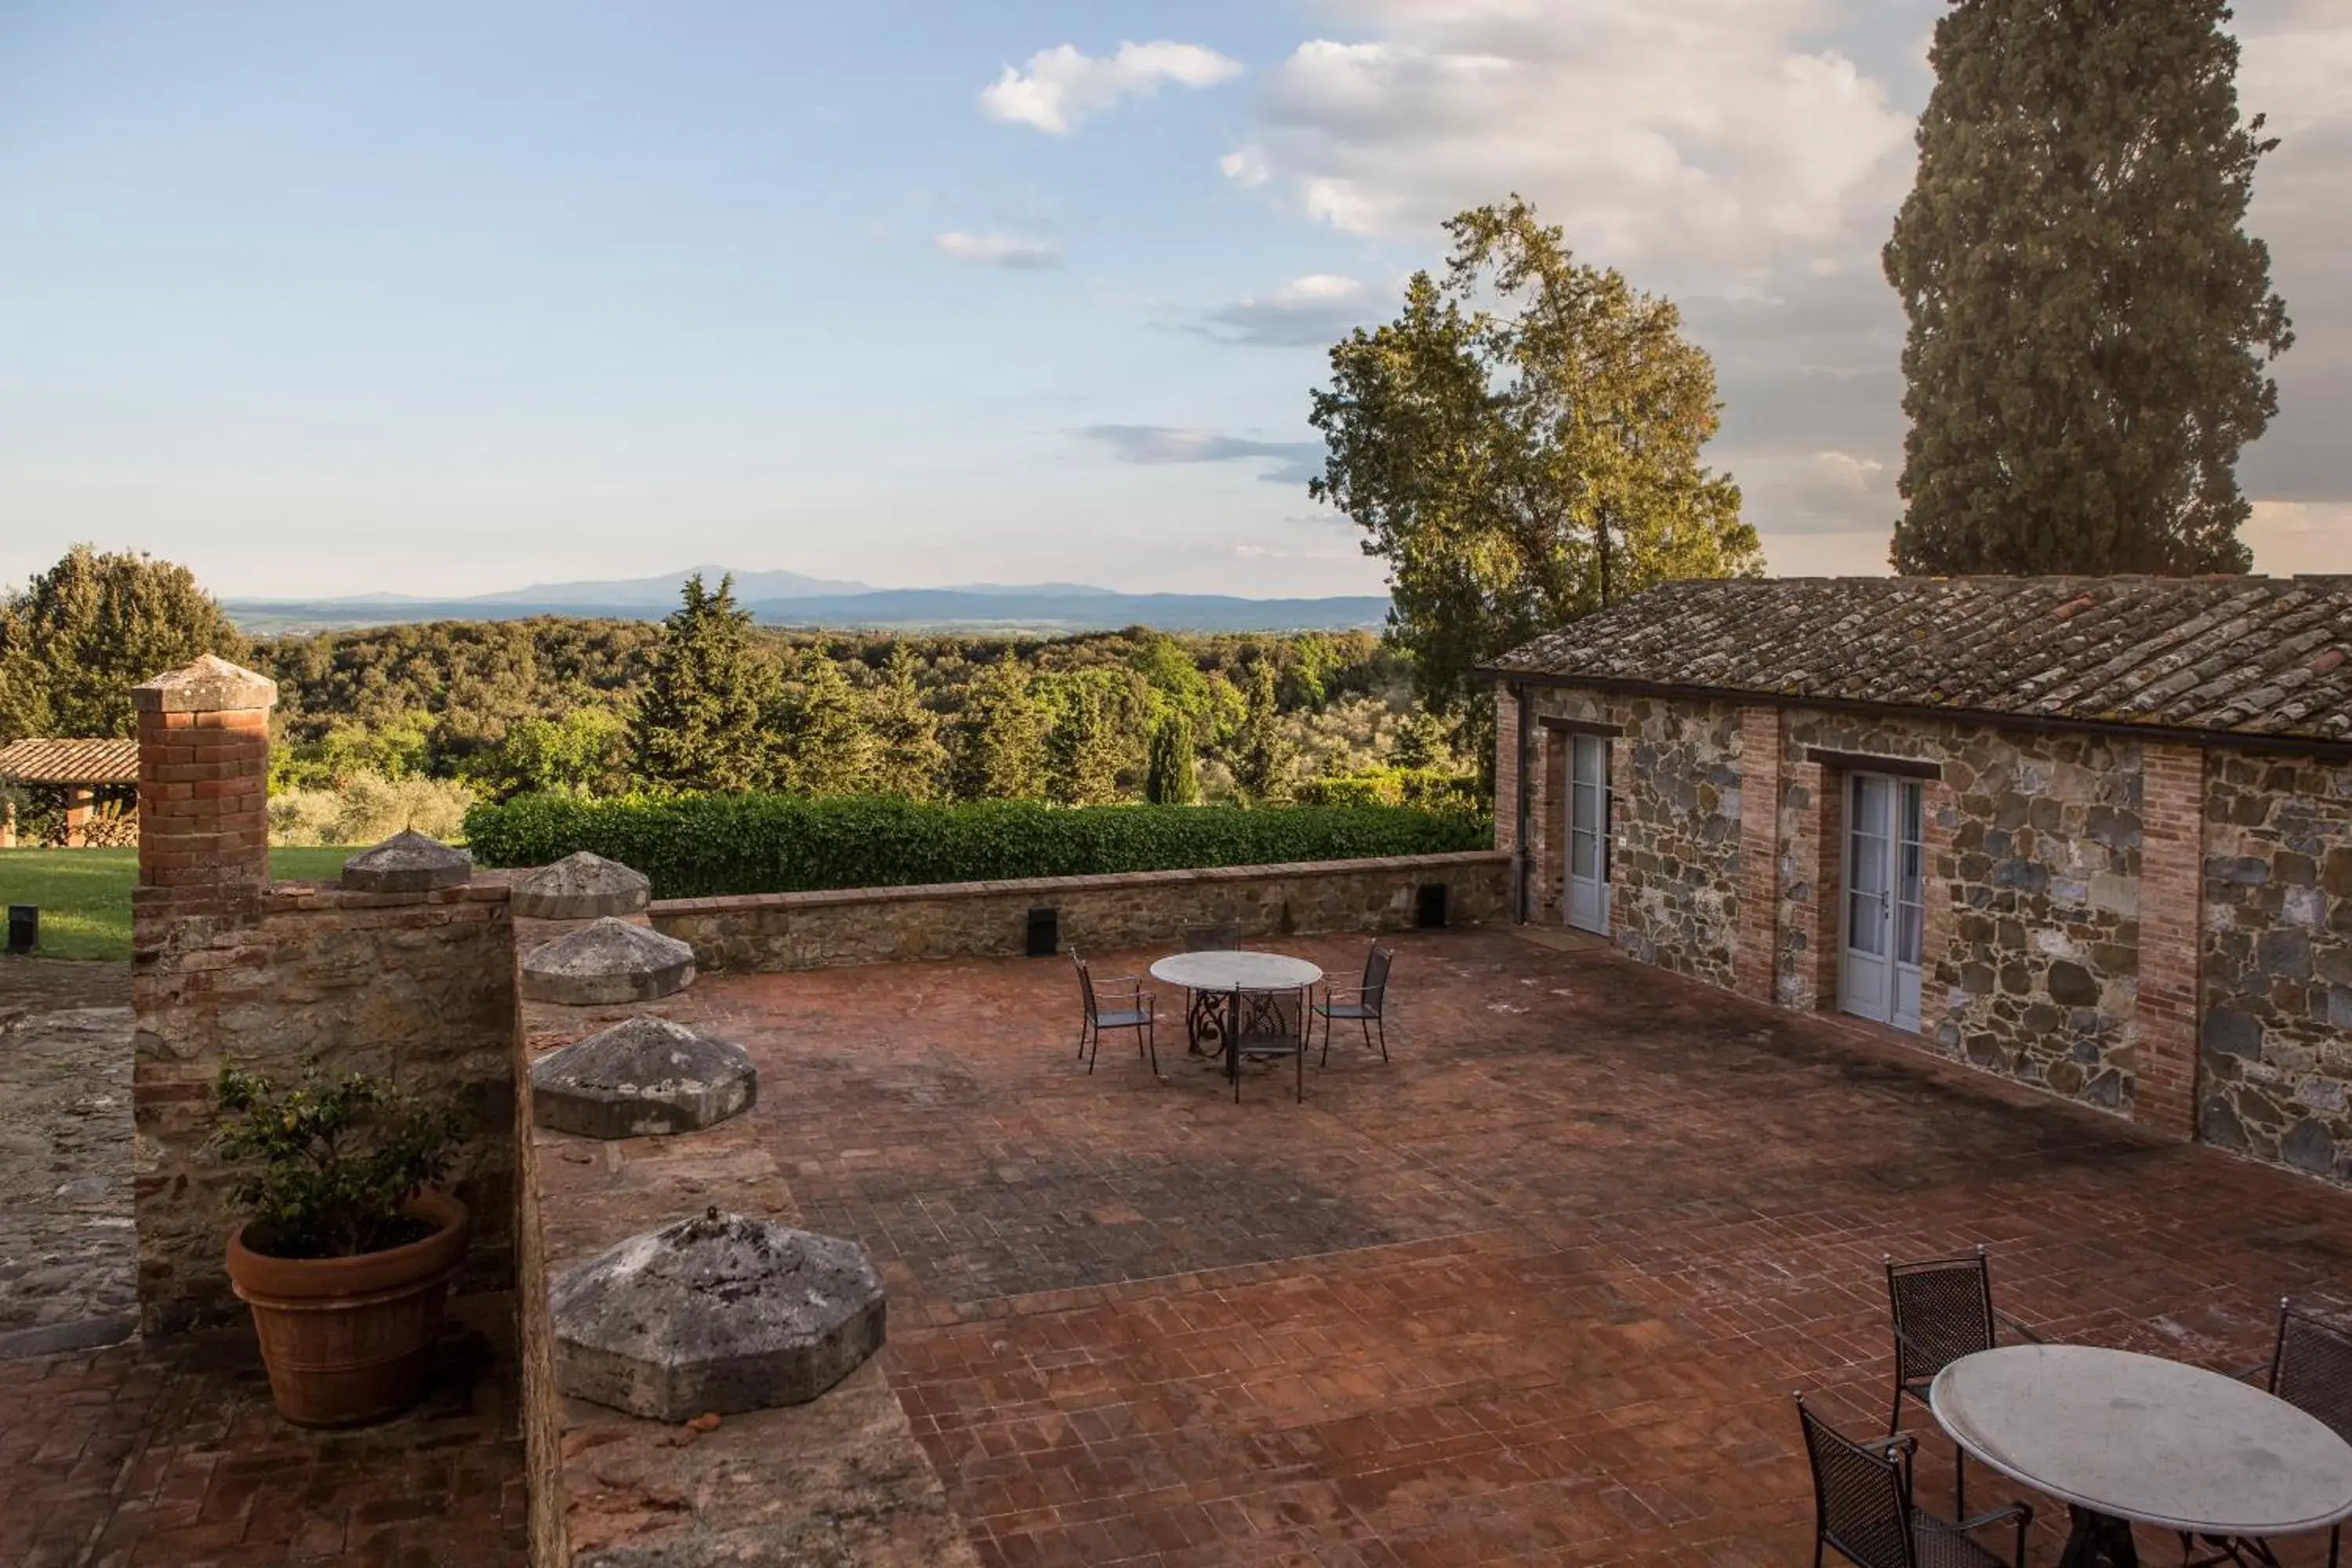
[(366, 809), (1437, 789), (701, 846), (340, 1157)]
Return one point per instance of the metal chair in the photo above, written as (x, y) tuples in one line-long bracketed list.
[(1135, 1012), (1363, 1003), (1267, 1035), (1862, 1506), (1942, 1310), (2311, 1369)]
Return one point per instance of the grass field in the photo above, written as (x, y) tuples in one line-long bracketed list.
[(85, 894)]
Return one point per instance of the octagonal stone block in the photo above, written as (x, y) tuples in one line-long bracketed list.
[(722, 1313), (606, 964), (642, 1077), (580, 887), (407, 862)]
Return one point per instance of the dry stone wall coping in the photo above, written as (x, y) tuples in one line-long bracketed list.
[(643, 1078), (1104, 882)]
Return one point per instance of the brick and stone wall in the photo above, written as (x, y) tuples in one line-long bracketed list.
[(777, 932), (228, 969), (2276, 1036)]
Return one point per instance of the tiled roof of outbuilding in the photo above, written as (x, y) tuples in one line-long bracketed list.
[(2255, 655), (70, 762)]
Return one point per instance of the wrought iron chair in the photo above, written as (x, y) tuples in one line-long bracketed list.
[(2311, 1369), (1363, 1003), (1132, 1010), (1266, 1034), (1206, 1016), (1942, 1310), (1862, 1506)]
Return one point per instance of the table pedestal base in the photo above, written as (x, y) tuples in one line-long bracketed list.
[(2098, 1541)]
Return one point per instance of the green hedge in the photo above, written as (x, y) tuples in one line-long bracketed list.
[(1431, 787), (703, 846)]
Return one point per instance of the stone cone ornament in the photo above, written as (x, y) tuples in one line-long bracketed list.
[(407, 862), (607, 964), (720, 1313), (643, 1078), (581, 887)]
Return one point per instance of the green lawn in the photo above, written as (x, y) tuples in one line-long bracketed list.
[(85, 894)]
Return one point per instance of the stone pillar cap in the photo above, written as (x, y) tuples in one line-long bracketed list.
[(581, 886), (211, 685), (407, 862)]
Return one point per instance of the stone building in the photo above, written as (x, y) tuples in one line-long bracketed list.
[(2094, 834)]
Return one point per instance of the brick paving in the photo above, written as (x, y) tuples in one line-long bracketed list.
[(1538, 1292), (168, 1452)]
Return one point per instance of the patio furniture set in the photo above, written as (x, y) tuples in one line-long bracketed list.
[(2226, 1462), (1240, 1005)]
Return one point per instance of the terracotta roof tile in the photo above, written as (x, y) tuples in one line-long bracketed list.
[(2256, 656), (70, 762)]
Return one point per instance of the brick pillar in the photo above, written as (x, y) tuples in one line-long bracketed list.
[(80, 806), (1507, 769), (1755, 960), (203, 772), (1548, 826), (2165, 1016)]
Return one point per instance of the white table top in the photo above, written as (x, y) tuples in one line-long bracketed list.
[(1235, 970), (2138, 1438)]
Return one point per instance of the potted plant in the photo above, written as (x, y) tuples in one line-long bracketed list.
[(346, 1255)]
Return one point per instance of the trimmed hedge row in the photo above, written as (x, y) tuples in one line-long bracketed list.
[(710, 845)]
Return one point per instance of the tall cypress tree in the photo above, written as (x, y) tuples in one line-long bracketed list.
[(2089, 321), (1262, 754), (1170, 777), (1082, 749), (699, 724), (827, 749)]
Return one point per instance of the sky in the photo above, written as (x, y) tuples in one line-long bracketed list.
[(447, 298)]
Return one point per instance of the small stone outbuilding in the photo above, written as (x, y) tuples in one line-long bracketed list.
[(2094, 834)]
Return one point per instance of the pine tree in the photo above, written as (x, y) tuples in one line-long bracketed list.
[(1262, 753), (826, 747), (1082, 749), (701, 725), (1420, 741), (1001, 754), (909, 761), (1172, 779), (2089, 321)]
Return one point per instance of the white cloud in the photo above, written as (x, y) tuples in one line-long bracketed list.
[(1687, 129), (1061, 87), (1313, 311), (2288, 537), (1245, 167), (1295, 462), (999, 250)]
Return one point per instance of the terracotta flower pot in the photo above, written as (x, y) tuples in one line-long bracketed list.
[(349, 1340)]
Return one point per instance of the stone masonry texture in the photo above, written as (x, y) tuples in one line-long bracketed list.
[(2067, 941), (777, 932)]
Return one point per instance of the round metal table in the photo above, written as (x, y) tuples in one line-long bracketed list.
[(2118, 1437), (1233, 973)]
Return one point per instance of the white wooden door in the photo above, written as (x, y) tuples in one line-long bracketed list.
[(1588, 833), (1886, 914)]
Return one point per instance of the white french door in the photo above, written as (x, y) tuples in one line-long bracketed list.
[(1885, 917), (1588, 833)]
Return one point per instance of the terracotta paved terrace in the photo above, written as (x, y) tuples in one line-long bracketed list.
[(1536, 1292)]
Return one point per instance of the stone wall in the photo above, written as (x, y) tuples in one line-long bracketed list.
[(2277, 1032), (418, 987), (776, 932)]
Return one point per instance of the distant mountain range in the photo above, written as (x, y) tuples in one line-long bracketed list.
[(791, 599)]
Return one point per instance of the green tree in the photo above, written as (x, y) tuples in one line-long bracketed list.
[(825, 745), (1522, 446), (1171, 778), (1083, 753), (2089, 321), (1001, 753), (700, 722), (1262, 752), (584, 752), (1421, 742), (909, 762), (82, 634)]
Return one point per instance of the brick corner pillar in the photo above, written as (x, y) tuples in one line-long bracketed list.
[(1756, 960), (2165, 1015), (203, 775)]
